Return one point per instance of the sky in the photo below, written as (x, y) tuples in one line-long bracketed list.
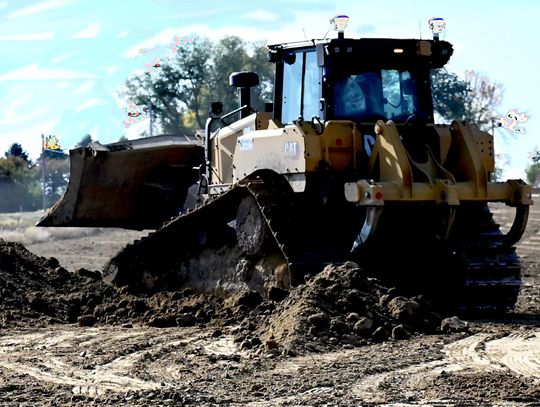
[(63, 63)]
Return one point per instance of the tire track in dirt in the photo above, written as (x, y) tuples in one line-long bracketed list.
[(370, 389), (97, 361), (94, 361), (517, 352), (296, 398), (61, 357)]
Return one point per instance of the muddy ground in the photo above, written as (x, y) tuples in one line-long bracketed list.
[(224, 355)]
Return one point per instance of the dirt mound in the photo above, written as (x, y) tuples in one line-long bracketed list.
[(340, 306), (39, 289)]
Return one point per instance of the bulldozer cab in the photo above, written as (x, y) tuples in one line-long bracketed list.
[(362, 80)]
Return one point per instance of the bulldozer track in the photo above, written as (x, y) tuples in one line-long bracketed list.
[(492, 279), (157, 258), (491, 269), (486, 273)]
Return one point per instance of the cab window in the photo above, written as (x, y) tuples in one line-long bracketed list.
[(385, 94), (312, 87), (292, 80), (301, 88)]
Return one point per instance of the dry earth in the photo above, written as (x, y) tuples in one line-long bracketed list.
[(493, 363)]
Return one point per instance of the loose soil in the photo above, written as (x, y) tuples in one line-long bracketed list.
[(67, 338)]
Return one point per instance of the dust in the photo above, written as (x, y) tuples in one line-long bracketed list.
[(20, 227), (31, 235)]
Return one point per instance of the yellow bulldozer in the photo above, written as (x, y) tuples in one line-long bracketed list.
[(345, 164)]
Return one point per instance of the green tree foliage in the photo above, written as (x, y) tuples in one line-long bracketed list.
[(85, 141), (449, 95), (16, 150), (19, 186), (501, 161), (21, 181), (533, 174), (56, 174), (533, 170), (484, 98), (179, 92), (473, 99)]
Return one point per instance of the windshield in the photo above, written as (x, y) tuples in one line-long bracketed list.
[(388, 94)]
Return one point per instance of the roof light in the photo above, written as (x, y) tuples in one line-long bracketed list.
[(398, 50), (340, 23), (436, 25)]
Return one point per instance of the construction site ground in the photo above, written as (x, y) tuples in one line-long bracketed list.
[(66, 338)]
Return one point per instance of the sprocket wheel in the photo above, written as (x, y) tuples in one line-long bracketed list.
[(251, 229)]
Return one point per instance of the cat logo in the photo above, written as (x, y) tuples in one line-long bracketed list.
[(292, 149)]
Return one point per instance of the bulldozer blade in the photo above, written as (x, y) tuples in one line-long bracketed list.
[(134, 185)]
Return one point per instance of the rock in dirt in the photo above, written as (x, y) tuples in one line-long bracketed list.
[(353, 318), (400, 332), (52, 262), (185, 319), (364, 327), (319, 320), (380, 334), (94, 275), (87, 320), (339, 326), (249, 299), (404, 309), (163, 321), (277, 294), (454, 324), (271, 344), (350, 340)]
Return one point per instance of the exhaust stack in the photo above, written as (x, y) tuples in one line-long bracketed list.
[(244, 81)]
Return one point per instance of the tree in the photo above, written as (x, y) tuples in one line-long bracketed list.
[(473, 99), (85, 141), (485, 97), (232, 54), (449, 95), (533, 174), (501, 161), (56, 173), (533, 170), (19, 186), (175, 87), (16, 150), (179, 92), (535, 155), (21, 180)]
